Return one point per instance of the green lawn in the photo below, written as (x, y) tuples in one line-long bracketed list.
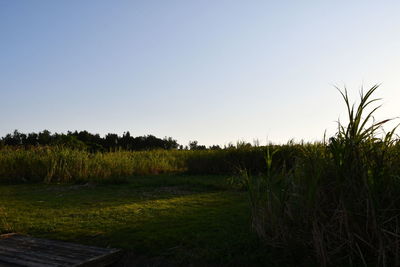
[(181, 220)]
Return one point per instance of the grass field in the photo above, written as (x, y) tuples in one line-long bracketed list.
[(157, 220), (60, 164), (333, 203)]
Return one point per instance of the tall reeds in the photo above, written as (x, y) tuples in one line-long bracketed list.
[(52, 164), (339, 203), (58, 164)]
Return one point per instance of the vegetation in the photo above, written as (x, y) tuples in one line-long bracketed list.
[(339, 204), (60, 164), (84, 140), (333, 203), (53, 164), (158, 220)]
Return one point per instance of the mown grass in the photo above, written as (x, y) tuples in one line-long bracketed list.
[(180, 220)]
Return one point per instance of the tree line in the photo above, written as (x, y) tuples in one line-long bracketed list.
[(96, 143), (89, 141)]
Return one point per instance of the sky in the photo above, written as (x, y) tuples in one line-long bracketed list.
[(212, 71)]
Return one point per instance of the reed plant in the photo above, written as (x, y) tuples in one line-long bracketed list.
[(338, 204), (58, 164)]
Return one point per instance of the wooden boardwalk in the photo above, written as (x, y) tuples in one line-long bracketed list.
[(18, 250)]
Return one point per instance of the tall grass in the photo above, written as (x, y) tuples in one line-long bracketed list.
[(5, 225), (68, 165), (57, 164), (332, 203), (339, 203)]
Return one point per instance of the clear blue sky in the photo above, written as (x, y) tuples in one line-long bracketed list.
[(212, 71)]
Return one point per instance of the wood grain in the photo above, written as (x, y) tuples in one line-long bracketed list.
[(20, 250)]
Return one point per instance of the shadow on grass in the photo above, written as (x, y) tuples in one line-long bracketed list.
[(184, 224)]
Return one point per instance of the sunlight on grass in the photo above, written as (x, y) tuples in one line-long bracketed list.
[(151, 220)]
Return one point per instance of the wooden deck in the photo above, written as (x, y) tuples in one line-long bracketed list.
[(18, 250)]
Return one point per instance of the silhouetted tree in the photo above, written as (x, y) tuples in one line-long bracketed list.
[(32, 139), (193, 145), (111, 141), (44, 138), (89, 141), (14, 139)]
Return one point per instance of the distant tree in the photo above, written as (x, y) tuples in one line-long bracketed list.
[(170, 143), (126, 141), (32, 139), (229, 146), (44, 137), (215, 147), (193, 145), (89, 141), (111, 141), (15, 139)]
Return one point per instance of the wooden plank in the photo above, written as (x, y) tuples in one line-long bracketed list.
[(68, 245), (19, 250), (101, 261), (46, 256), (43, 247), (24, 262), (4, 264), (37, 248), (44, 243)]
